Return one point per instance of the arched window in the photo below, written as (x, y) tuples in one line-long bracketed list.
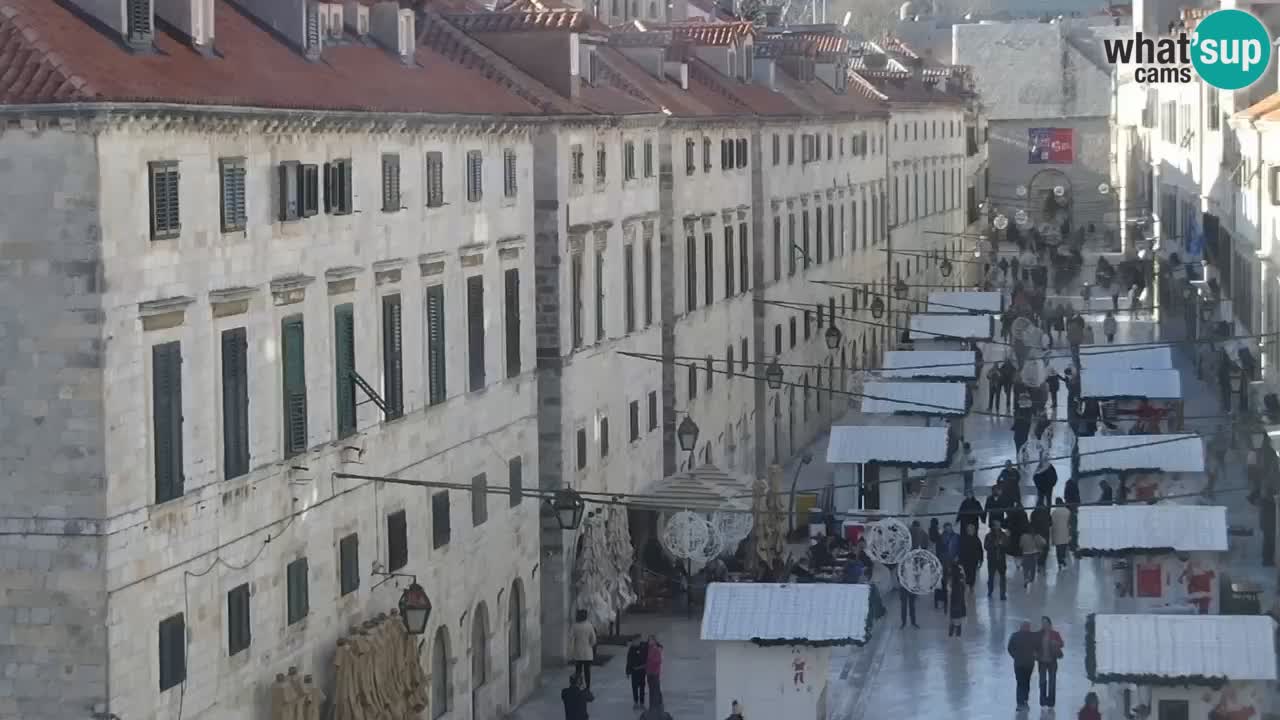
[(515, 622), (440, 674), (480, 647)]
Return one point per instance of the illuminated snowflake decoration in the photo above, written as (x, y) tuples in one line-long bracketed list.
[(888, 541), (920, 572), (1001, 222), (686, 535), (734, 527)]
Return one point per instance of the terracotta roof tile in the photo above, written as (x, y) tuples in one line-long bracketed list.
[(482, 22), (718, 34), (49, 54)]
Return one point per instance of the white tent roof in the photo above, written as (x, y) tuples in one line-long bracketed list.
[(919, 398), (1191, 647), (706, 488), (777, 611), (1154, 384), (887, 444), (1185, 528), (950, 302), (1167, 453), (929, 363), (1109, 357), (941, 326)]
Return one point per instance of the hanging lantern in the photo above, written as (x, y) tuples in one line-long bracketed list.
[(877, 308), (687, 434), (832, 336), (773, 375), (1103, 188), (900, 289), (415, 609), (569, 508), (945, 266)]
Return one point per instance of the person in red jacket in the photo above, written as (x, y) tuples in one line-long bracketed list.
[(1090, 710), (1048, 653)]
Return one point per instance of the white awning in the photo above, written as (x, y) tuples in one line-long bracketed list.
[(890, 445), (1184, 528), (704, 489), (916, 398), (951, 302), (941, 326), (929, 364), (1110, 357), (1159, 453), (1198, 649), (815, 612), (1152, 384)]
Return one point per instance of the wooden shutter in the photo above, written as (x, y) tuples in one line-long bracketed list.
[(139, 19), (344, 348), (691, 272), (289, 196), (653, 409), (166, 389), (648, 283), (294, 382), (435, 345), (392, 357), (233, 200), (629, 286), (235, 403), (299, 603), (728, 261), (744, 260), (708, 268), (309, 187), (349, 564), (515, 480), (511, 321), (173, 651), (390, 182), (509, 188), (164, 200), (239, 633), (397, 540), (346, 172), (435, 179), (633, 409), (475, 332)]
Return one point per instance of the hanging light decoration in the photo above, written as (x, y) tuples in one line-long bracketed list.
[(877, 308), (1103, 188), (900, 289), (888, 541), (1059, 191), (945, 266), (1001, 222), (687, 434), (569, 507), (920, 572), (415, 609), (832, 336), (773, 375), (1020, 191)]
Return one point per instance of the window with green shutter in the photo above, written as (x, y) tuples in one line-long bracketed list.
[(397, 540), (294, 383), (232, 172), (166, 411), (515, 480), (392, 357), (344, 365), (349, 564), (440, 528), (391, 183), (173, 651), (235, 403), (296, 590), (435, 345), (238, 624), (475, 333), (165, 215), (511, 319)]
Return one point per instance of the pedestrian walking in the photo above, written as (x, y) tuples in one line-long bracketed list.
[(1060, 533), (949, 545), (1045, 479), (582, 647), (997, 563), (935, 536), (967, 462), (1090, 710), (1023, 649), (906, 601), (1009, 478), (1031, 543), (636, 655), (994, 388), (970, 514), (1021, 431), (735, 711), (1089, 337), (1109, 327), (1008, 373), (1048, 652), (1115, 299), (957, 609), (994, 507), (653, 673), (1042, 525), (574, 698), (970, 554), (1052, 382), (919, 538), (1105, 496)]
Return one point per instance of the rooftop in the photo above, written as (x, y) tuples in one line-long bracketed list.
[(1109, 357), (769, 613), (1111, 383), (1191, 649), (983, 302), (1152, 528), (940, 326)]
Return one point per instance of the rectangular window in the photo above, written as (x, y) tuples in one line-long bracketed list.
[(509, 182), (745, 358), (808, 324), (435, 345), (475, 333), (599, 280), (235, 403), (744, 259), (582, 449), (165, 217), (349, 564), (817, 232), (337, 188), (391, 183), (1273, 181), (173, 651), (576, 162), (629, 287), (515, 480), (435, 179), (397, 540), (791, 149), (1214, 111), (392, 357), (653, 409), (777, 249), (231, 172), (648, 158), (633, 417), (777, 339), (479, 500), (831, 232), (297, 593), (791, 244), (691, 272), (690, 156), (742, 145), (728, 261), (708, 268), (706, 154), (166, 414), (344, 366), (710, 372), (693, 381), (728, 356), (821, 311), (777, 149), (440, 519), (475, 176), (804, 238), (648, 282), (792, 324), (294, 383), (238, 624), (604, 437), (511, 319), (629, 160), (575, 287), (602, 159)]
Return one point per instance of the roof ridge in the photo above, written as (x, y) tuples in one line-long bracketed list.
[(711, 78), (622, 82), (28, 39)]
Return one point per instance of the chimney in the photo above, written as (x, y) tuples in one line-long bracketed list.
[(133, 19), (392, 28), (192, 17), (356, 16)]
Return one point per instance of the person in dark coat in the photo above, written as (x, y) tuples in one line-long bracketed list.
[(1042, 525), (575, 699), (970, 554), (995, 388), (1046, 479), (995, 545), (1021, 431), (1105, 496), (1024, 648), (1009, 479), (1017, 518), (919, 538), (1008, 374), (1052, 383), (970, 514), (935, 536), (1071, 496), (995, 506), (957, 610), (636, 656)]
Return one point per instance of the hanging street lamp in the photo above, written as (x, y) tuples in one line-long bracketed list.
[(569, 508), (687, 434), (773, 375), (832, 337), (945, 267), (877, 308), (900, 289), (415, 609)]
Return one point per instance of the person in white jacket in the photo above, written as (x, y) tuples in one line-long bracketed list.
[(1060, 532)]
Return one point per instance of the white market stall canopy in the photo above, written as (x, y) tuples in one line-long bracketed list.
[(943, 326), (1193, 649), (1105, 384), (975, 301), (936, 364), (812, 612), (1151, 453), (913, 398), (1109, 357), (887, 445), (704, 489), (1154, 528)]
